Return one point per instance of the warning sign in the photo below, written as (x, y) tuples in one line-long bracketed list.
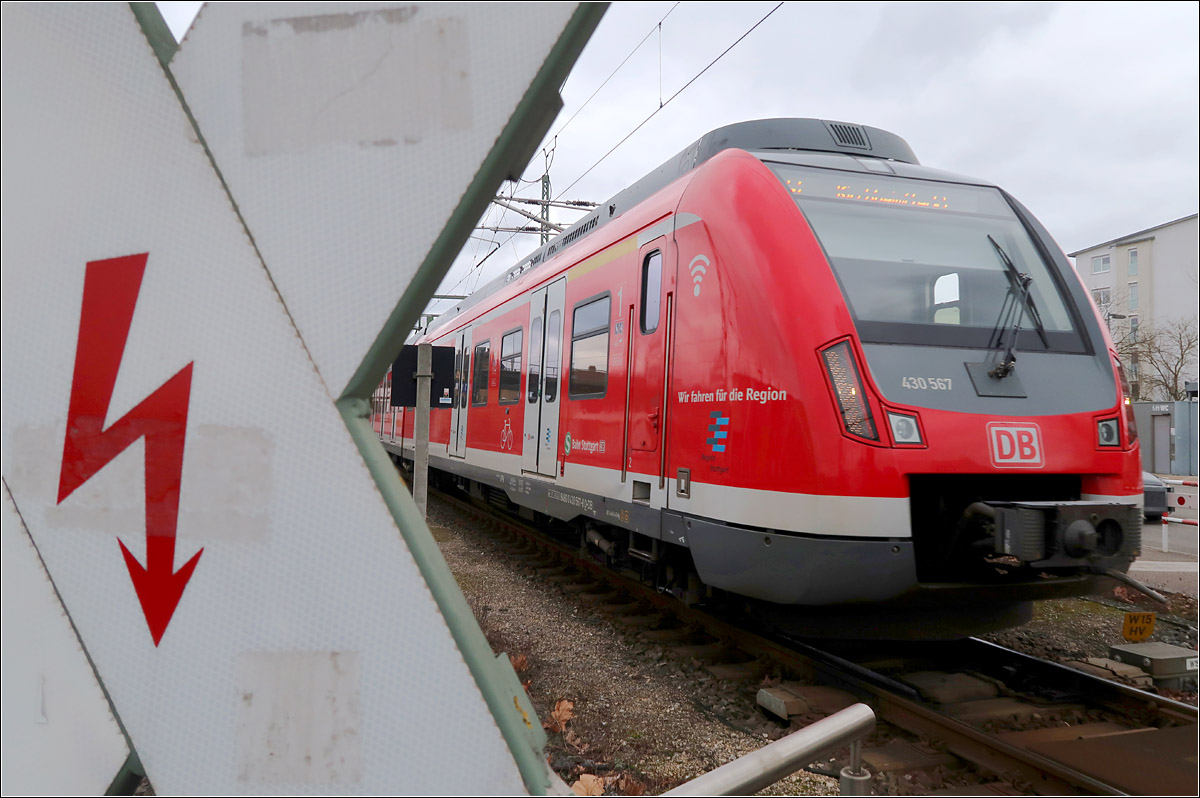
[(1138, 626)]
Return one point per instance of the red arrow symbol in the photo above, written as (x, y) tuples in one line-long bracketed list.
[(110, 292)]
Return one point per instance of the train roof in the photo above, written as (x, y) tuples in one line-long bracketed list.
[(763, 137)]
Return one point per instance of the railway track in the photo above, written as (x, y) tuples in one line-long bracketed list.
[(1026, 726)]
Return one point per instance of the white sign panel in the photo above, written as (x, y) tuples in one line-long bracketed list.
[(171, 438), (344, 166), (52, 702)]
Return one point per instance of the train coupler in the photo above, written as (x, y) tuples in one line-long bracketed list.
[(1067, 533)]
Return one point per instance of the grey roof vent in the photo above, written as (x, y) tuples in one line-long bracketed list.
[(849, 135)]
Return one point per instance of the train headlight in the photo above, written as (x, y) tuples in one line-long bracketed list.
[(847, 387), (1108, 432), (904, 428)]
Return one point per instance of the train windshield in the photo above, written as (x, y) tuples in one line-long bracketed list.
[(916, 263)]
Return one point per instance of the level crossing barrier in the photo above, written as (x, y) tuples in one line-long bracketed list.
[(1167, 521), (1178, 501)]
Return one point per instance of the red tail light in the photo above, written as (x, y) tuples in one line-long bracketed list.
[(1127, 404), (847, 388)]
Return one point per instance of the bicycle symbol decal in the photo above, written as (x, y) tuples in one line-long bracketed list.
[(506, 435)]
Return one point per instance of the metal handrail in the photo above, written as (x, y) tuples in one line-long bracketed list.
[(754, 771)]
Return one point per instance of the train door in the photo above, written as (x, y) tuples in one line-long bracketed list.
[(462, 376), (539, 451), (650, 331)]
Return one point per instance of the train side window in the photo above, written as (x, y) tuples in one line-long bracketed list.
[(945, 300), (533, 381), (479, 380), (510, 368), (589, 348), (553, 338), (651, 291)]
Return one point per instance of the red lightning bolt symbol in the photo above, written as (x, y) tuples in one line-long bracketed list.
[(110, 292)]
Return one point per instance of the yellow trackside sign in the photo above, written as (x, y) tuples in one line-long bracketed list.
[(1138, 626)]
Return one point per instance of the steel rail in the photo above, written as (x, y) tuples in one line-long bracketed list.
[(894, 702)]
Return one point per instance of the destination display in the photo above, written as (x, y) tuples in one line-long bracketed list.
[(889, 191)]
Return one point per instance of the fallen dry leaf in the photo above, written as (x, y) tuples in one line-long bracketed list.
[(560, 715), (519, 662), (588, 785), (1124, 594), (563, 710), (628, 785), (575, 741), (525, 684)]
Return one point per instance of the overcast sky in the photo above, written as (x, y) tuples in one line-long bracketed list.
[(1086, 112)]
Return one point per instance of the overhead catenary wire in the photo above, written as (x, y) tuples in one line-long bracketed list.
[(575, 205), (482, 225), (496, 229), (669, 99), (526, 229), (501, 199), (504, 204), (478, 270), (475, 266), (492, 240), (482, 222), (657, 27), (475, 269)]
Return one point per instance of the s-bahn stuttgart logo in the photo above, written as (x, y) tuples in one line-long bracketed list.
[(718, 430), (1015, 445)]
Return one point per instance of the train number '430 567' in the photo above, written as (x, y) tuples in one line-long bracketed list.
[(926, 383)]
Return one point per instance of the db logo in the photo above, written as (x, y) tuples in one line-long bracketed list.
[(1015, 446)]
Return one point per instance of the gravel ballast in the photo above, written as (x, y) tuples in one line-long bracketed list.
[(642, 721), (627, 716)]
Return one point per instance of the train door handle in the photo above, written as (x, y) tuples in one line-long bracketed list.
[(653, 419)]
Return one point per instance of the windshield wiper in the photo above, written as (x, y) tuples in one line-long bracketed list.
[(1016, 303)]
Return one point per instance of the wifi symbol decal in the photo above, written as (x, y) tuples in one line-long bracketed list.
[(698, 270)]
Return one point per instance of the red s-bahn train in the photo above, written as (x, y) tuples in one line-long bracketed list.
[(794, 368)]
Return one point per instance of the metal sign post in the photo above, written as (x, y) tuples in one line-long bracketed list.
[(424, 376)]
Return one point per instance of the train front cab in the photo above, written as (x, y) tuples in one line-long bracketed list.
[(930, 449)]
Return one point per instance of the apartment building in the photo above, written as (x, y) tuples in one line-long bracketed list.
[(1142, 279)]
